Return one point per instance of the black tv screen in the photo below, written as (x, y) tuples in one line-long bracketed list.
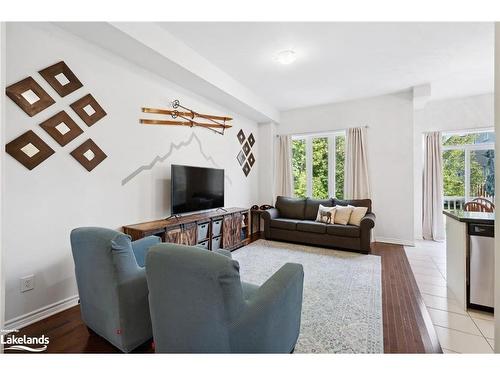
[(196, 188)]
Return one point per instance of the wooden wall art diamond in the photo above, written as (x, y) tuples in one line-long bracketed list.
[(29, 96), (62, 128), (29, 149), (89, 155), (61, 78), (88, 109)]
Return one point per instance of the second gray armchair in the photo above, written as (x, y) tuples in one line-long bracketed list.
[(199, 305)]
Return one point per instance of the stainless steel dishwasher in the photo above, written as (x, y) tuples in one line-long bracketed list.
[(481, 266)]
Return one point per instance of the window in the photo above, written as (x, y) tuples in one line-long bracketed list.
[(318, 165), (468, 167)]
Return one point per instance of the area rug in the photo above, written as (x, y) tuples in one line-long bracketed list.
[(342, 303)]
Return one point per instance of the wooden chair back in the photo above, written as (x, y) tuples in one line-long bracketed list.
[(486, 202), (477, 207)]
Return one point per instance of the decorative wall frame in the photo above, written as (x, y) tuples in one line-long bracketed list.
[(88, 109), (246, 169), (62, 128), (29, 149), (89, 155), (246, 148), (29, 96), (251, 160), (241, 157), (241, 136), (251, 140), (245, 156), (61, 78)]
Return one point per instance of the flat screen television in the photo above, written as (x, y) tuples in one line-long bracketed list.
[(196, 188)]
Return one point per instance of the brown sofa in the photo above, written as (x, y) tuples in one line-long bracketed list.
[(293, 220)]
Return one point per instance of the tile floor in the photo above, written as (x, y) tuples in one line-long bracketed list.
[(458, 331)]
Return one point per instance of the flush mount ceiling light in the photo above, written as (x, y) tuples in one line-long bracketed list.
[(286, 57)]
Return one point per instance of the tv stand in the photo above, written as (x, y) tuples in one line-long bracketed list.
[(220, 209), (227, 228)]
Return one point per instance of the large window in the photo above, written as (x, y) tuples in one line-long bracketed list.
[(468, 167), (318, 165)]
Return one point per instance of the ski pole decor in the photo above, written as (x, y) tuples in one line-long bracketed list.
[(187, 117)]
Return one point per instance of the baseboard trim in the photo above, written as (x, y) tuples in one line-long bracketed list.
[(40, 314), (396, 241)]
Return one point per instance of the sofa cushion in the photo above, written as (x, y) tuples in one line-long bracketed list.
[(342, 230), (281, 223), (354, 202), (312, 206), (311, 226), (291, 208)]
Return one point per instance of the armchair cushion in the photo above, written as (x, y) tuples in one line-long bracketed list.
[(141, 247)]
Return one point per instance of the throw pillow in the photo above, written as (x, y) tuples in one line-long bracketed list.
[(325, 214), (342, 214), (357, 214)]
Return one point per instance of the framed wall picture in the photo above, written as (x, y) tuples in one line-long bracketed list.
[(61, 78), (62, 128), (29, 96), (88, 109), (29, 149), (89, 155)]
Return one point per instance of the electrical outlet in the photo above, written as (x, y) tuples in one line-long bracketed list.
[(27, 283)]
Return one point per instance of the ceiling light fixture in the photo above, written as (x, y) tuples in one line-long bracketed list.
[(286, 57)]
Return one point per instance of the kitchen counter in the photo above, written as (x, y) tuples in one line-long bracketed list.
[(461, 228), (471, 217)]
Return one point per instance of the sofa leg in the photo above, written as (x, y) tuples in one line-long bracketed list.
[(293, 349)]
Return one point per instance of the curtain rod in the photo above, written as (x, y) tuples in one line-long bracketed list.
[(322, 132)]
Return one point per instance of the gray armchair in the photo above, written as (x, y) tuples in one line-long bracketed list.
[(112, 285), (199, 305)]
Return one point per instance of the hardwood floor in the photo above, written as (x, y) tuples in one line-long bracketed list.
[(406, 323)]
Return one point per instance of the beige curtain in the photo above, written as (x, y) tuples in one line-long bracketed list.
[(432, 202), (284, 179), (357, 182)]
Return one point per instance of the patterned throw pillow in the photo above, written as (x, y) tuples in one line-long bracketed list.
[(342, 214), (325, 214)]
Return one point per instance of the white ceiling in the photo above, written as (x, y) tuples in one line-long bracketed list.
[(344, 61)]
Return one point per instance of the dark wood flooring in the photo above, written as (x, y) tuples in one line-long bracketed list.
[(407, 325)]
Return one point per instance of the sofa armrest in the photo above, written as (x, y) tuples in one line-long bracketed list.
[(270, 323), (368, 221), (141, 247), (226, 253), (268, 215), (366, 225)]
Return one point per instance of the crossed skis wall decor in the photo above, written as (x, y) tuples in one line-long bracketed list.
[(215, 123)]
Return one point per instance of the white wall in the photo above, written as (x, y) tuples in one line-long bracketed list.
[(497, 183), (2, 123), (446, 115), (390, 157), (43, 205)]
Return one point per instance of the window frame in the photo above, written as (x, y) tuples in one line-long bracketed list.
[(467, 148), (332, 158)]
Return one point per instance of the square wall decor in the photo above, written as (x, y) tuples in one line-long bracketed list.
[(29, 149), (89, 155), (251, 140), (246, 148), (241, 157), (251, 160), (29, 96), (88, 109), (246, 169), (241, 136), (61, 78), (62, 128)]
